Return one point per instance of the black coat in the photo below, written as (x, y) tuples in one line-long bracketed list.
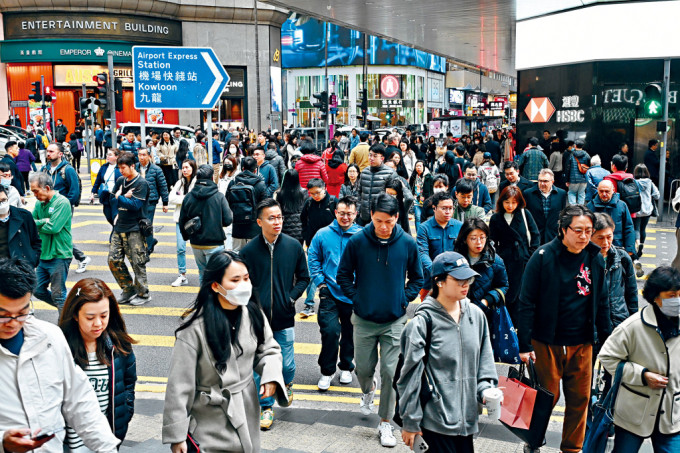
[(524, 184), (249, 230), (208, 203), (315, 216), (22, 237), (292, 225), (17, 177), (279, 277), (547, 226), (494, 148), (123, 375)]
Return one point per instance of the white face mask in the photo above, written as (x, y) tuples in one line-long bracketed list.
[(439, 189), (232, 150), (4, 207), (670, 307), (239, 295)]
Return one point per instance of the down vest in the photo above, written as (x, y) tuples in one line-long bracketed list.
[(311, 166), (373, 181)]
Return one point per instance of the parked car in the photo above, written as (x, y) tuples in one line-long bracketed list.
[(187, 132)]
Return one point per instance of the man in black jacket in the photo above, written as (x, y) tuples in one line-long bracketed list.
[(278, 270), (545, 203), (563, 310), (512, 178), (211, 207), (18, 233), (61, 131), (244, 193), (373, 181)]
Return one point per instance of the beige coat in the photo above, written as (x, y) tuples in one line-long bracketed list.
[(166, 153), (359, 156), (637, 342), (221, 411)]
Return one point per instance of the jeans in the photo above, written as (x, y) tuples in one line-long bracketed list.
[(150, 212), (181, 251), (202, 256), (311, 292), (52, 273), (417, 211), (640, 223), (367, 336), (577, 193), (335, 324), (286, 339), (627, 442)]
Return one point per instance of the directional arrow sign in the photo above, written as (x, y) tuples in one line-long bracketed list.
[(177, 77)]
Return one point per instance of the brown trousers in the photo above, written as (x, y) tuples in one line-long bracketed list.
[(573, 366)]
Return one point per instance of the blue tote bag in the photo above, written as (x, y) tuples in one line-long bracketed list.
[(602, 426)]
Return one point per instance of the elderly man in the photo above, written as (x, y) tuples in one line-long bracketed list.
[(608, 201), (545, 203), (480, 195)]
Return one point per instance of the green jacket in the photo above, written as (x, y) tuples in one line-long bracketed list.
[(463, 214), (53, 220)]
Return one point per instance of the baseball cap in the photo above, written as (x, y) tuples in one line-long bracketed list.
[(454, 264), (487, 155)]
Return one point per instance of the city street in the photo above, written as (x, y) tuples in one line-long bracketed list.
[(317, 421)]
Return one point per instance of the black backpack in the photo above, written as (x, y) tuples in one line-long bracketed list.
[(629, 191), (427, 383), (241, 198)]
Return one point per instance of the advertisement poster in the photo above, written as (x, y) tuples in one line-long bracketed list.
[(435, 128), (277, 98), (456, 127), (154, 116)]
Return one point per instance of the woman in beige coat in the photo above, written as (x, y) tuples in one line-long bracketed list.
[(648, 401), (211, 393), (167, 148)]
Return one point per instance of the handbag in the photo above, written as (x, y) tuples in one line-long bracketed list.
[(534, 435), (504, 341), (602, 427), (192, 445), (518, 403)]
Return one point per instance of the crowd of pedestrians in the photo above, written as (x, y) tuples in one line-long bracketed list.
[(554, 238)]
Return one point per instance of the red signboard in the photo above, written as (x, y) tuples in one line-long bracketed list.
[(389, 86)]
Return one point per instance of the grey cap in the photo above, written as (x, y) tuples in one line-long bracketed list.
[(454, 264)]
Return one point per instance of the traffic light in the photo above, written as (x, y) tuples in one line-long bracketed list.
[(37, 92), (85, 110), (323, 101), (388, 116), (364, 101), (653, 106), (48, 95), (101, 90), (118, 94)]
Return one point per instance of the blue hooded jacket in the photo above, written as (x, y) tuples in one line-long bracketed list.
[(65, 181), (324, 255), (381, 267), (624, 231)]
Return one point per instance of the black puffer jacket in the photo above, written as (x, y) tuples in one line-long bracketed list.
[(249, 231), (208, 203), (623, 292), (123, 374), (292, 224), (373, 181)]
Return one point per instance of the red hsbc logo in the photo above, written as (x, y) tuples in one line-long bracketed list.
[(389, 86), (539, 110)]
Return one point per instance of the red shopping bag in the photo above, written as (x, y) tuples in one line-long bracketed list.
[(518, 402)]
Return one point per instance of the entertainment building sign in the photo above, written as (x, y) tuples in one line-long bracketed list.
[(67, 25)]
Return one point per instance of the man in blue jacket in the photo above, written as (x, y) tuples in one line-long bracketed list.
[(373, 268), (67, 182), (609, 202), (480, 194), (437, 235), (267, 171), (335, 309)]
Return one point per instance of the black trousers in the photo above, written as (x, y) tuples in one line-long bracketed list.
[(335, 324), (442, 443)]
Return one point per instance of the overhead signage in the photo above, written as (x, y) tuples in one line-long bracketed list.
[(64, 51), (58, 25), (390, 87), (236, 87), (392, 103), (574, 114), (495, 105), (76, 75), (539, 110), (177, 77), (18, 104), (631, 96), (456, 97)]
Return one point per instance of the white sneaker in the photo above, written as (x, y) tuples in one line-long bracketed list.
[(345, 377), (325, 382), (386, 431), (181, 280), (82, 266), (366, 405)]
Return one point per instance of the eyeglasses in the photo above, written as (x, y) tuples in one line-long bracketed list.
[(277, 218), (18, 318), (544, 181), (581, 232), (477, 238), (445, 209), (346, 214)]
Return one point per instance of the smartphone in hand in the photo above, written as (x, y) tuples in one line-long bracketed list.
[(419, 444)]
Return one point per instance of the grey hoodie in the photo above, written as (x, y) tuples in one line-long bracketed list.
[(460, 364)]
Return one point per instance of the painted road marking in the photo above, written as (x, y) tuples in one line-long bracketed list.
[(168, 341), (104, 222), (149, 270), (189, 256)]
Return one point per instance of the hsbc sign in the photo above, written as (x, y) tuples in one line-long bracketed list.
[(539, 110)]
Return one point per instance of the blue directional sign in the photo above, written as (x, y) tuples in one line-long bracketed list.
[(177, 77)]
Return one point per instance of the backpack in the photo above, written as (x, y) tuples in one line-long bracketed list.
[(426, 386), (241, 198), (62, 172), (490, 179), (582, 168), (629, 191)]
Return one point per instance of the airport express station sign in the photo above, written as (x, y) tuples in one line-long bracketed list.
[(177, 77)]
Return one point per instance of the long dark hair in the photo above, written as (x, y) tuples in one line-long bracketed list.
[(186, 183), (414, 173), (469, 225), (218, 328), (93, 290), (182, 150), (290, 196)]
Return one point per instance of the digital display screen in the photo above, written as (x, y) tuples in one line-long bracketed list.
[(456, 96), (302, 46)]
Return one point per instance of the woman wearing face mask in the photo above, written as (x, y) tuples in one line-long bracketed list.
[(421, 186), (647, 342), (440, 183), (96, 334), (223, 340), (176, 198)]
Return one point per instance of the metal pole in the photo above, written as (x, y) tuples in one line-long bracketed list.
[(664, 136), (142, 128), (42, 93), (209, 136), (365, 79), (111, 101), (88, 143), (328, 94), (257, 68)]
